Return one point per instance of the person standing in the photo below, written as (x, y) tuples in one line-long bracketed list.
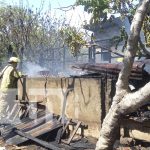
[(8, 88)]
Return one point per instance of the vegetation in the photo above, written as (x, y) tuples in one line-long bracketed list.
[(25, 32), (36, 36), (73, 38), (146, 29), (96, 7)]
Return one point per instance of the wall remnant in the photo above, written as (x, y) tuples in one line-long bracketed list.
[(87, 99)]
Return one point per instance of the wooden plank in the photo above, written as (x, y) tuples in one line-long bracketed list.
[(65, 127), (73, 133), (40, 130), (42, 143), (26, 122), (25, 126)]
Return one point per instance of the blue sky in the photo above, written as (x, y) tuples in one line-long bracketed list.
[(75, 16)]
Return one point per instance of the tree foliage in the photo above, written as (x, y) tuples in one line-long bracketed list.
[(100, 8), (96, 7), (146, 29), (28, 33), (73, 38), (36, 36)]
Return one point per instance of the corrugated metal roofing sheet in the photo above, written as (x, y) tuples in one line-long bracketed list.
[(114, 69)]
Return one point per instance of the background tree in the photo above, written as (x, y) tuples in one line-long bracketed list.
[(73, 38), (36, 36), (23, 29), (96, 7)]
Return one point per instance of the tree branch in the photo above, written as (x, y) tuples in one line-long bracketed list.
[(132, 101), (122, 83), (67, 7)]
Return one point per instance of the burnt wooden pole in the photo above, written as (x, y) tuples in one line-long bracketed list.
[(21, 58), (64, 57), (42, 143), (92, 51), (10, 51)]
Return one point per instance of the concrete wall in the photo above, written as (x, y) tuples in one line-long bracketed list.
[(87, 99)]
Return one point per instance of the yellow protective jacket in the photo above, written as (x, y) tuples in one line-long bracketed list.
[(9, 79)]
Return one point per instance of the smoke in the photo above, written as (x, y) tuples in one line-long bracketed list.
[(69, 71), (32, 69)]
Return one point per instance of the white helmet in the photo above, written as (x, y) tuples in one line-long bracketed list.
[(14, 59)]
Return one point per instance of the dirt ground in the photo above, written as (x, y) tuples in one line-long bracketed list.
[(137, 146), (82, 144)]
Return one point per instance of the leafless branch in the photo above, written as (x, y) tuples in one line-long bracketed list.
[(67, 8)]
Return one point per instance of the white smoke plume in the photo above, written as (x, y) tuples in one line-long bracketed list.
[(32, 69)]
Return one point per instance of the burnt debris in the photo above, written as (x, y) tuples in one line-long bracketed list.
[(47, 131)]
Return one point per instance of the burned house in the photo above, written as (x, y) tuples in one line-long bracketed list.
[(78, 103), (74, 105)]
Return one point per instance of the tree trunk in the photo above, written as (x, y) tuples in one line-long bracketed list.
[(124, 101)]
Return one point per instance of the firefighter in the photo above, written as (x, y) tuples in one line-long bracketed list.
[(8, 87)]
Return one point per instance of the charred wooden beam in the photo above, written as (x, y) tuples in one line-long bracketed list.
[(73, 133), (42, 143)]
